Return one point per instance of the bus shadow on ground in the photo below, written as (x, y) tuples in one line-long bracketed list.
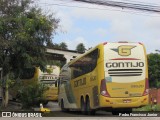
[(78, 113)]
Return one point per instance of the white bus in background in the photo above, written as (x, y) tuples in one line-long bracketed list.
[(49, 77), (35, 75)]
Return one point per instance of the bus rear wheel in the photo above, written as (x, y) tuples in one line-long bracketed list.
[(127, 110), (83, 107), (115, 111), (62, 106), (88, 108)]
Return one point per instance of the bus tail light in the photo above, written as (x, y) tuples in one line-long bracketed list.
[(146, 89), (103, 89)]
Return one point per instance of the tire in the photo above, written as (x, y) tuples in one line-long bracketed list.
[(127, 110), (88, 108), (62, 107), (115, 111), (83, 107)]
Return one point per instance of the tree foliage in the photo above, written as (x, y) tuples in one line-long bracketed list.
[(24, 31), (80, 48), (24, 34), (154, 70), (62, 46), (32, 95)]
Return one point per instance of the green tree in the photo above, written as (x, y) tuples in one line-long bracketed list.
[(63, 46), (24, 32), (56, 46), (32, 95), (80, 48), (154, 70)]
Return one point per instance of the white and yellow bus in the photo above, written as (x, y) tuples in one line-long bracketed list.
[(34, 75), (110, 76), (50, 78)]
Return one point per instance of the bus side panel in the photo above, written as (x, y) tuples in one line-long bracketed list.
[(66, 92)]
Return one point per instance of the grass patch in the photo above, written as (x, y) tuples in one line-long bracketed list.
[(148, 108)]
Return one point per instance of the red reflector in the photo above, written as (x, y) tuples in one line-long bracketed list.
[(144, 100), (103, 88), (107, 101), (146, 89)]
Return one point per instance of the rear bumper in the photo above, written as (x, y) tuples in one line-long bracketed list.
[(119, 102), (51, 97)]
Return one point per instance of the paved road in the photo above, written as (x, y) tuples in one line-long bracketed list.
[(100, 115), (57, 114), (56, 111)]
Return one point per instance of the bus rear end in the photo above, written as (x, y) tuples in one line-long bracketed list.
[(125, 83), (49, 78)]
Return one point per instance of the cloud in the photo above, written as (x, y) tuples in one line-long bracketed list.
[(65, 21), (153, 25), (123, 24), (49, 7), (101, 32)]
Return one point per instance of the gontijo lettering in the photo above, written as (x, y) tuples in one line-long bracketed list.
[(124, 64)]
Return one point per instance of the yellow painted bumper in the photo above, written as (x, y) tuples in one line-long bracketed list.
[(124, 102)]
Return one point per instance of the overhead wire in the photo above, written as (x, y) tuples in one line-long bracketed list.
[(82, 7), (128, 5), (133, 1)]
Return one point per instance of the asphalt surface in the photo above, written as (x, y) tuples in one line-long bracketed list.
[(74, 115), (56, 112)]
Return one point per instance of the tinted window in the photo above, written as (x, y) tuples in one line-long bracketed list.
[(84, 65), (27, 73)]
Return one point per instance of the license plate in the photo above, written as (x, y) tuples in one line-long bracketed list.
[(126, 101)]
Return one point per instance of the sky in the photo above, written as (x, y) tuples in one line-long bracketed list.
[(94, 24)]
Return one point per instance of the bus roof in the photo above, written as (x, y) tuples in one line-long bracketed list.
[(104, 43)]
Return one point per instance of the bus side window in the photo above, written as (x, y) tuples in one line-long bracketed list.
[(84, 65), (98, 54)]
